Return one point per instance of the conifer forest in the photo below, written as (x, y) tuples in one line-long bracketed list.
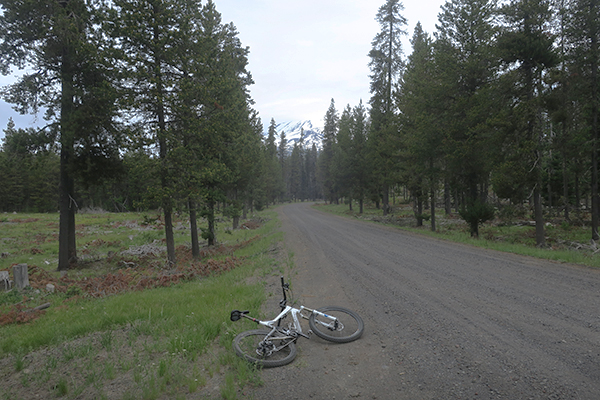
[(146, 105)]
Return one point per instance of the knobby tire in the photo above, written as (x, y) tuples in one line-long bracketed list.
[(353, 325), (246, 344)]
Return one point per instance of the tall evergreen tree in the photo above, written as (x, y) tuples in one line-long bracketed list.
[(272, 169), (282, 156), (312, 189), (213, 146), (466, 67), (528, 43), (421, 111), (341, 169), (583, 55), (147, 33), (295, 172), (386, 66), (330, 129), (58, 42), (361, 177)]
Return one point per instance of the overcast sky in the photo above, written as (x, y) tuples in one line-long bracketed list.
[(303, 53)]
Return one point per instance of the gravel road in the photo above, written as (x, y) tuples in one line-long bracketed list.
[(443, 320)]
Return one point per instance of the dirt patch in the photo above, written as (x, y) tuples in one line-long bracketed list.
[(148, 276), (252, 224)]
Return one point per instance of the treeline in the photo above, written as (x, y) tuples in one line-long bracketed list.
[(147, 106), (501, 104), (290, 175)]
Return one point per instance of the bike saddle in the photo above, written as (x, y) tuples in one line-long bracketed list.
[(237, 314)]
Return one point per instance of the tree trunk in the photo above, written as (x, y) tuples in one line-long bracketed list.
[(447, 199), (594, 100), (361, 203), (194, 228), (475, 229), (565, 187), (432, 209), (386, 199), (211, 223), (170, 238), (162, 148), (419, 210), (577, 194), (540, 237), (549, 186), (67, 246)]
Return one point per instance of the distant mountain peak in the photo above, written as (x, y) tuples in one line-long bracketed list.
[(295, 131)]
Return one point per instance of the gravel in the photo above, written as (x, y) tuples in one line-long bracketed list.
[(443, 320)]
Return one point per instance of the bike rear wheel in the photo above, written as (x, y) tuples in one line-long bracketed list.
[(274, 351), (347, 327)]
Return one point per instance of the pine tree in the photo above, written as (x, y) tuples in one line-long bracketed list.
[(58, 42), (272, 169), (341, 167), (146, 33), (312, 155), (466, 67), (295, 172), (330, 129), (213, 145), (386, 66), (361, 180), (583, 55), (421, 110), (527, 43), (282, 157)]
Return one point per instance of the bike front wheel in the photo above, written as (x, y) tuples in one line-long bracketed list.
[(263, 350), (339, 325)]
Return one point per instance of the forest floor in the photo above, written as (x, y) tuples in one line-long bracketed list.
[(125, 254), (514, 232), (124, 325)]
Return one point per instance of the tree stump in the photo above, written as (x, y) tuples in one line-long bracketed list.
[(21, 276), (4, 280)]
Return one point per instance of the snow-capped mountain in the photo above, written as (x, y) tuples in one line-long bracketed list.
[(294, 131)]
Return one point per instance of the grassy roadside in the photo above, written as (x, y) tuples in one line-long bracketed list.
[(566, 243), (166, 342)]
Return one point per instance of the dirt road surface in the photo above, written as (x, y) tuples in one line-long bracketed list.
[(442, 320)]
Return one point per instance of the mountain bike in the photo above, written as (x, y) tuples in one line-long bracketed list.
[(276, 345)]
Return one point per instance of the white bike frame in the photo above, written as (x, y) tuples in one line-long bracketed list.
[(275, 324)]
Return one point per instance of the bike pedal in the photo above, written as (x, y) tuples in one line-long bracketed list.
[(310, 332)]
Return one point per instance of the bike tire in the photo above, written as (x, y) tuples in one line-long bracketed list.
[(246, 345), (351, 328)]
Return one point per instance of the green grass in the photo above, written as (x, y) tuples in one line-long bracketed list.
[(165, 343), (497, 236), (195, 310)]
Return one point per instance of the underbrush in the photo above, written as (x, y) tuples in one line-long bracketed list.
[(124, 325), (565, 242)]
